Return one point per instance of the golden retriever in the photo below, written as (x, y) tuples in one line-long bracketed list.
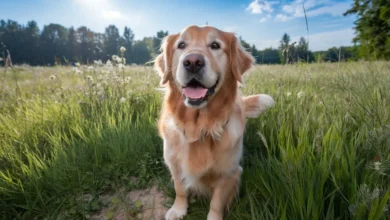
[(203, 115)]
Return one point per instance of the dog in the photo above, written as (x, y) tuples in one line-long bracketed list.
[(203, 115)]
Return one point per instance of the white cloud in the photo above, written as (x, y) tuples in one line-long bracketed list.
[(326, 40), (231, 28), (113, 15), (318, 41), (103, 9), (282, 17), (315, 8), (264, 19), (262, 44), (296, 7), (260, 6), (335, 10)]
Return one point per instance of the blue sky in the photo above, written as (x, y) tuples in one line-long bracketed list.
[(259, 22)]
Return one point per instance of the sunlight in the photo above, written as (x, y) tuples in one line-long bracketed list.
[(102, 9)]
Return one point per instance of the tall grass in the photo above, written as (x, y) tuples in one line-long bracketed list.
[(321, 153)]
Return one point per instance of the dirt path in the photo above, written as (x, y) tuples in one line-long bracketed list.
[(137, 204)]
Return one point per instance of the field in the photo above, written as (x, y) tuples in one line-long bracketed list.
[(76, 142)]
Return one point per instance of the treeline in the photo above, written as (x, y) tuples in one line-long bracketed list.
[(293, 52), (56, 44)]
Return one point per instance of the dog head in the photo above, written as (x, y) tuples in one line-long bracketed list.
[(199, 61)]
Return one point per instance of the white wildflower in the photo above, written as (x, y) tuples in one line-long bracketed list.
[(109, 63), (89, 78), (78, 71), (53, 77), (98, 62), (121, 66), (300, 94), (100, 77), (77, 64), (90, 68), (288, 94), (1, 59), (377, 165), (122, 100), (123, 49), (118, 59)]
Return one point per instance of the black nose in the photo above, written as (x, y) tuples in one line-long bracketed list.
[(193, 63)]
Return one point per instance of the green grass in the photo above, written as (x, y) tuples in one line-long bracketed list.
[(322, 152)]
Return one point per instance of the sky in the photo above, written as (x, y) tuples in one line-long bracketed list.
[(259, 22)]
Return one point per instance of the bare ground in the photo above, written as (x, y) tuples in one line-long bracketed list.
[(145, 204)]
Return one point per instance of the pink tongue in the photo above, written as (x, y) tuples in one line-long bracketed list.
[(195, 93)]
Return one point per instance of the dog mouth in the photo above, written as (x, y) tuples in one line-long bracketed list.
[(196, 93)]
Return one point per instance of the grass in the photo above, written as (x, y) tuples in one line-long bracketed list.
[(323, 152)]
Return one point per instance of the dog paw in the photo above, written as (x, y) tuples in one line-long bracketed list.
[(214, 216), (175, 213), (257, 104), (266, 101)]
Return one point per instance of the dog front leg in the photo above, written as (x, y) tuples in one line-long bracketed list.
[(223, 194), (179, 207)]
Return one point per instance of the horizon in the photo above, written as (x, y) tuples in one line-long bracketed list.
[(327, 26)]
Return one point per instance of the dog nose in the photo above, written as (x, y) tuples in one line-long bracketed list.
[(193, 63)]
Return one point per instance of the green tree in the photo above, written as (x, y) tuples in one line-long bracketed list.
[(111, 43), (53, 39), (269, 56), (287, 50), (372, 27), (127, 42), (157, 40), (30, 51), (141, 53), (245, 44), (85, 37), (71, 45)]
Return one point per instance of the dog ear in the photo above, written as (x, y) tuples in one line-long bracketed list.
[(163, 62), (240, 60)]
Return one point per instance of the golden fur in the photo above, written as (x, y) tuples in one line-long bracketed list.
[(203, 147)]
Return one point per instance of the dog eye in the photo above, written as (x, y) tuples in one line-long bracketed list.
[(181, 45), (215, 46)]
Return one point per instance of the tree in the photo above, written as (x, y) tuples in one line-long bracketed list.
[(372, 27), (157, 40), (86, 39), (12, 39), (31, 43), (269, 56), (303, 52), (111, 43), (245, 44), (286, 48), (71, 45), (302, 49), (255, 53), (54, 39), (127, 42), (141, 53)]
